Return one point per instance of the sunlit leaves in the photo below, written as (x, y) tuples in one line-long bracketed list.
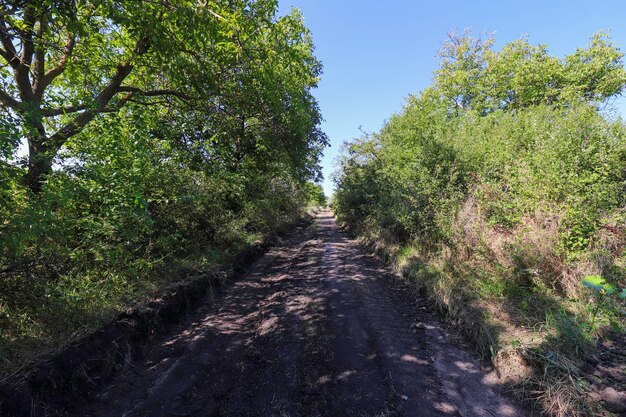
[(473, 76), (235, 63), (596, 282)]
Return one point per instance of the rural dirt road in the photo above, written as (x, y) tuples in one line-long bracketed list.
[(315, 328)]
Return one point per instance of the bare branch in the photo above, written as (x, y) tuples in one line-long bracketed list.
[(81, 107), (212, 13)]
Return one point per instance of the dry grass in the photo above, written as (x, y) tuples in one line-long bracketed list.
[(510, 292)]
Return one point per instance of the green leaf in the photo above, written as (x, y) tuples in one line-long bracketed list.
[(595, 282), (615, 326)]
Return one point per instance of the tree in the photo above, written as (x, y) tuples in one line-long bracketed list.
[(473, 76), (315, 194), (66, 62)]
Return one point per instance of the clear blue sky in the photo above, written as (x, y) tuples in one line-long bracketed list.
[(377, 53)]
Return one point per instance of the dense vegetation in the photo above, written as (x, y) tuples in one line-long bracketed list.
[(163, 137), (498, 189)]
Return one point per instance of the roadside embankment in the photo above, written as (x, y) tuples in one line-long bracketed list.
[(77, 368)]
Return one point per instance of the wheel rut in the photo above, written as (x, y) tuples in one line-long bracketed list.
[(316, 327)]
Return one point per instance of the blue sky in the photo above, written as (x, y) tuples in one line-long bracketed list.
[(377, 53)]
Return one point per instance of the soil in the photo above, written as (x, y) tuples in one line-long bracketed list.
[(316, 327), (605, 371)]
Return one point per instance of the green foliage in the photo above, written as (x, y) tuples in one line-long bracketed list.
[(513, 155), (216, 60), (596, 282), (315, 194), (605, 301), (507, 178), (209, 144), (473, 76)]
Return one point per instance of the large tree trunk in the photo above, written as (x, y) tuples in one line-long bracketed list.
[(39, 164)]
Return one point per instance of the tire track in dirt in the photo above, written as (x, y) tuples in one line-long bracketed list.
[(314, 328)]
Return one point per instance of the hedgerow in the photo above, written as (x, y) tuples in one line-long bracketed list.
[(498, 189)]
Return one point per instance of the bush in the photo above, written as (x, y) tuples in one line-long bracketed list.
[(507, 180)]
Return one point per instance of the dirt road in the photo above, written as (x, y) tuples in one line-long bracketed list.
[(315, 328)]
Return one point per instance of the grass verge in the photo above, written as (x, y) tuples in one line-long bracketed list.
[(65, 364), (538, 339)]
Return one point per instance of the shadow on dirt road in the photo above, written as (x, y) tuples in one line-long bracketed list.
[(315, 328)]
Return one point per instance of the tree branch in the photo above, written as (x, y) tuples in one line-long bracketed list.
[(151, 103), (156, 93), (102, 100), (7, 100), (9, 52), (39, 62), (28, 47), (20, 70), (80, 121), (52, 73), (4, 54), (119, 104), (63, 110)]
